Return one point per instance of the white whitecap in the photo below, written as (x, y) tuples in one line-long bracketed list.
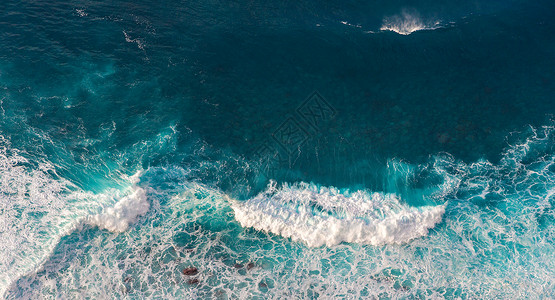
[(38, 207), (321, 216), (350, 24), (408, 22), (125, 212), (138, 41)]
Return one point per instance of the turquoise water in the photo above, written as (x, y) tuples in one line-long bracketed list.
[(284, 150)]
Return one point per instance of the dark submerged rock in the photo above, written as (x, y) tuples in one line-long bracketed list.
[(190, 271)]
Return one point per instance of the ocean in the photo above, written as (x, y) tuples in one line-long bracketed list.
[(284, 150)]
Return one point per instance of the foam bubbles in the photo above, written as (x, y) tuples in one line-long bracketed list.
[(34, 212), (138, 41), (326, 216), (124, 212), (495, 239), (38, 207)]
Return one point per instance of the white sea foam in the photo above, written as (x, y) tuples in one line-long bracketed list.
[(81, 12), (352, 25), (38, 208), (499, 218), (30, 201), (408, 22), (126, 211), (138, 41), (326, 216)]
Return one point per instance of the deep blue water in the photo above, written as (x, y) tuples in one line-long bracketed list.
[(335, 149)]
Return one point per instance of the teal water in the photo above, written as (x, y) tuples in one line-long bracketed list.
[(284, 150)]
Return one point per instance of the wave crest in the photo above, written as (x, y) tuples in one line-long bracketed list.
[(408, 22), (38, 207), (126, 211), (321, 216)]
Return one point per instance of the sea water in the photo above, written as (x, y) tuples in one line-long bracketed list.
[(284, 150)]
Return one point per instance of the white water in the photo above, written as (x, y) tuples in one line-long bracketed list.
[(494, 221), (492, 242), (321, 216), (38, 208), (117, 218), (408, 22)]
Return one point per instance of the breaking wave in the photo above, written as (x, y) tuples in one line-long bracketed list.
[(327, 216), (38, 207), (408, 22), (497, 216)]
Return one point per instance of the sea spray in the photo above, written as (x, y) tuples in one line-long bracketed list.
[(38, 208), (325, 216), (408, 22), (118, 217)]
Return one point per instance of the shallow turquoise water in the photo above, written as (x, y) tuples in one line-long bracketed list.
[(314, 150)]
